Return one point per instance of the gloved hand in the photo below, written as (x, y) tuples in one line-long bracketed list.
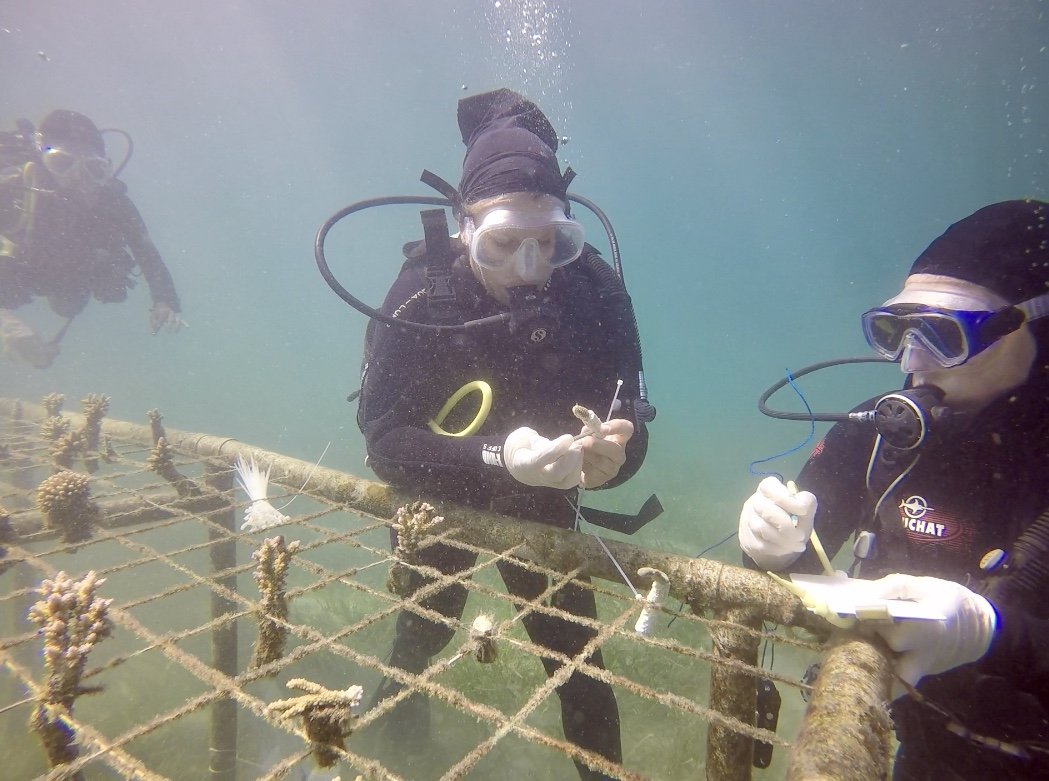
[(163, 316), (604, 455), (931, 647), (767, 533), (535, 460)]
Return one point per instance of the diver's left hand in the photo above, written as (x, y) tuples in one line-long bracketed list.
[(604, 456), (163, 316), (931, 647)]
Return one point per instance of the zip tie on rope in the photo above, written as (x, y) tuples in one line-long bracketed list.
[(657, 595)]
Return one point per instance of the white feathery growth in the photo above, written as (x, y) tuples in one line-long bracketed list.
[(260, 514)]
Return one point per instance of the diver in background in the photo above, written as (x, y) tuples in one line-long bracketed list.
[(68, 232), (517, 241), (969, 329)]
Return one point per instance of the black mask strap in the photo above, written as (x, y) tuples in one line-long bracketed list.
[(430, 179)]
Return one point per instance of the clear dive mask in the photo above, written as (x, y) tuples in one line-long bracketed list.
[(506, 237), (72, 167)]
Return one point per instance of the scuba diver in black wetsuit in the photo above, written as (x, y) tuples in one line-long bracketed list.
[(69, 231), (521, 310), (953, 491)]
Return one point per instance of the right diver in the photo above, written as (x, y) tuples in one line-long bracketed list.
[(963, 509)]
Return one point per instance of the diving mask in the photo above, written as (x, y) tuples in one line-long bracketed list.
[(70, 167), (951, 336), (505, 237)]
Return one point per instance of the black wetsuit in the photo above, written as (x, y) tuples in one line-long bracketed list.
[(70, 248), (408, 376), (974, 489)]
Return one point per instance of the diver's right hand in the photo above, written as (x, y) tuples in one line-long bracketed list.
[(775, 524), (535, 460), (162, 316)]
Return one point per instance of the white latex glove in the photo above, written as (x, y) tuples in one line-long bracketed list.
[(931, 647), (162, 316), (535, 460), (605, 454), (767, 532)]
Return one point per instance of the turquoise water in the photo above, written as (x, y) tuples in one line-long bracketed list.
[(771, 170)]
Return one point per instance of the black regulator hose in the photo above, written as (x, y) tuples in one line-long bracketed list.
[(1027, 574), (422, 200), (821, 416), (613, 242), (356, 303), (612, 283), (130, 148), (643, 408)]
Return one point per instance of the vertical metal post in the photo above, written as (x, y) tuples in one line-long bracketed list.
[(729, 754), (223, 763)]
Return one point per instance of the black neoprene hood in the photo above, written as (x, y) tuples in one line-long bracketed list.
[(69, 128), (510, 147), (1003, 247)]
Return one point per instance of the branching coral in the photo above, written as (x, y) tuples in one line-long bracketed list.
[(54, 428), (65, 449), (65, 500), (52, 404), (7, 534), (95, 408), (412, 524), (155, 425), (109, 453), (160, 461), (71, 620), (327, 716), (271, 576)]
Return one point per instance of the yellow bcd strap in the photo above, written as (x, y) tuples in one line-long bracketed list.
[(479, 386)]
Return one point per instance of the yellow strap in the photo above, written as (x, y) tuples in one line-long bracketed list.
[(482, 413)]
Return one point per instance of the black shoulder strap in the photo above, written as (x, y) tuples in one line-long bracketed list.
[(440, 256), (431, 179)]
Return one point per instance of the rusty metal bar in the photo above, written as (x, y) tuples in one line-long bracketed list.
[(702, 583), (736, 594), (846, 730)]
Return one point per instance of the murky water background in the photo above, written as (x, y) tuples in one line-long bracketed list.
[(771, 171)]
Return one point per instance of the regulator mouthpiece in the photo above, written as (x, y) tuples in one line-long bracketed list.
[(905, 418)]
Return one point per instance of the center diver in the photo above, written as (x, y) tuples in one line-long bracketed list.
[(518, 308)]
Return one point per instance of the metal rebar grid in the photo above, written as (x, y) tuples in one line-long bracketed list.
[(180, 575)]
